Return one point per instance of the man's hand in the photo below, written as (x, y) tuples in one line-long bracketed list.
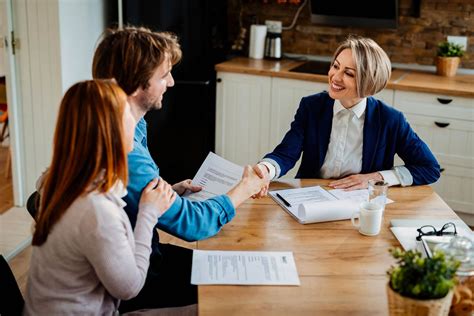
[(250, 184), (356, 181), (262, 172), (182, 186)]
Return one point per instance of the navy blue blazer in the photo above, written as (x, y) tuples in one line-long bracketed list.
[(386, 133)]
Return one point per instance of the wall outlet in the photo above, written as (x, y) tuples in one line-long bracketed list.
[(461, 40)]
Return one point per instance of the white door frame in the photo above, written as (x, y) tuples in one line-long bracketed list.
[(14, 117)]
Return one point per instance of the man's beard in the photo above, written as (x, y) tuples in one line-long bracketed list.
[(149, 104)]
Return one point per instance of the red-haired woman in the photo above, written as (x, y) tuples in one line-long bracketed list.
[(85, 255)]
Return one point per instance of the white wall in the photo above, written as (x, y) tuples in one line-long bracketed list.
[(80, 25), (57, 41)]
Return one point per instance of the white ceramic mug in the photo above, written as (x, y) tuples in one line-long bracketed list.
[(370, 218)]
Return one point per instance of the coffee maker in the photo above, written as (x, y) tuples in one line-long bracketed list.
[(273, 40)]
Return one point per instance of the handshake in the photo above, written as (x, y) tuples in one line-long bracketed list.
[(263, 173), (254, 183)]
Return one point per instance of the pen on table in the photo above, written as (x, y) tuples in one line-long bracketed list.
[(284, 201)]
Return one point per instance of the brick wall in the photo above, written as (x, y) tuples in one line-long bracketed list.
[(414, 41)]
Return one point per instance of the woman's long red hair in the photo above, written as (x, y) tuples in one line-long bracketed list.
[(88, 152)]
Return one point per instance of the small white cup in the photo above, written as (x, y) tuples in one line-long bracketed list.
[(370, 218)]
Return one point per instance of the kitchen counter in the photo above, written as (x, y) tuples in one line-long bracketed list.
[(402, 79)]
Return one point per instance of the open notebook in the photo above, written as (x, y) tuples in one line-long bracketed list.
[(315, 204)]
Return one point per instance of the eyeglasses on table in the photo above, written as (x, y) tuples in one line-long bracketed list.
[(430, 230)]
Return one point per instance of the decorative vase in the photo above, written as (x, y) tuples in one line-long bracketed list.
[(447, 66), (405, 306)]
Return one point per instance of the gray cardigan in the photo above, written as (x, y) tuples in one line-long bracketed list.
[(91, 259)]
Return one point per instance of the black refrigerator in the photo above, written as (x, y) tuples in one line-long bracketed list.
[(182, 133)]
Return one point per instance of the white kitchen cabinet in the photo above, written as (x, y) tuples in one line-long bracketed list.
[(285, 99), (446, 124), (253, 113), (386, 95), (242, 117)]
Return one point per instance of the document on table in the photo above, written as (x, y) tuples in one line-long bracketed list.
[(361, 195), (315, 204), (296, 197), (244, 268), (216, 176)]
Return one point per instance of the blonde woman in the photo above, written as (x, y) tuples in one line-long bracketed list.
[(347, 135)]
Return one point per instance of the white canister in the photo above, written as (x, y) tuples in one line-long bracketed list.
[(257, 41)]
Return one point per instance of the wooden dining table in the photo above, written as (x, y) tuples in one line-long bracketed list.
[(341, 271)]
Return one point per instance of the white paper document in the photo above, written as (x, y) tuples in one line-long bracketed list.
[(407, 238), (293, 198), (327, 211), (216, 176), (315, 204), (361, 195), (244, 268)]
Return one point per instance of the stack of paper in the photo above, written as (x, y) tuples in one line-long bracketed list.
[(314, 204)]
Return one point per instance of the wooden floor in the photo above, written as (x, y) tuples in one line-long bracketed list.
[(14, 228), (6, 188), (15, 231)]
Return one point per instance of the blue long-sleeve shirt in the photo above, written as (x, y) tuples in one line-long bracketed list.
[(187, 220)]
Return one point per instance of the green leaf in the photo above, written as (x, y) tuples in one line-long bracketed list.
[(422, 278), (448, 49)]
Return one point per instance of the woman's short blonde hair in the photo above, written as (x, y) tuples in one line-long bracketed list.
[(373, 67)]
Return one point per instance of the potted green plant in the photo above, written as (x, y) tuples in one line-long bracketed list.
[(449, 56), (420, 286)]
